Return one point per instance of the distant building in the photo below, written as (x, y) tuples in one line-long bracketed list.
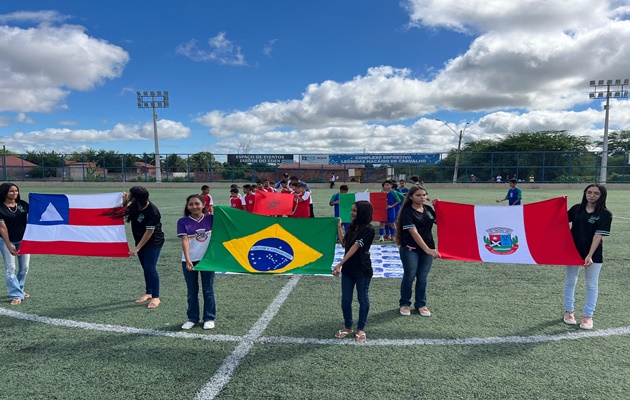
[(144, 168), (79, 170), (16, 168)]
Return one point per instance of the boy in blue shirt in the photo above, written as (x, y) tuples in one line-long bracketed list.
[(514, 195)]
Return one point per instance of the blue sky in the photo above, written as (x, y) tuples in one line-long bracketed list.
[(304, 77)]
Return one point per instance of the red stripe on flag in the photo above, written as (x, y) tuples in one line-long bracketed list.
[(548, 236), (457, 235), (379, 202), (63, 248), (268, 203), (92, 217)]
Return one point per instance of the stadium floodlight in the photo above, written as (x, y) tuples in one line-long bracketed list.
[(617, 90), (460, 135), (154, 101)]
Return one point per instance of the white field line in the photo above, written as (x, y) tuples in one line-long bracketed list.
[(116, 328), (224, 373)]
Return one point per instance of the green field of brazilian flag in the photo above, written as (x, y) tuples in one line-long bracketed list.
[(250, 243)]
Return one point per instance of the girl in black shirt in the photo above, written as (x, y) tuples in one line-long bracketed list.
[(590, 222), (13, 213), (357, 267)]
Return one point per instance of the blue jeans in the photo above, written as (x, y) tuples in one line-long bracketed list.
[(15, 279), (591, 276), (148, 259), (415, 266), (207, 288), (347, 288)]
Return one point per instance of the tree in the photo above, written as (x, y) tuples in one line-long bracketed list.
[(203, 161), (618, 142), (528, 152), (47, 163)]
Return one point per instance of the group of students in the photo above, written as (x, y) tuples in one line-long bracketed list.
[(590, 222), (302, 200)]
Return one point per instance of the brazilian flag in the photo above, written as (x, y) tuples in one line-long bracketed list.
[(250, 243)]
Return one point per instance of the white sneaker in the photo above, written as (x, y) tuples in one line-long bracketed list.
[(188, 325), (208, 325)]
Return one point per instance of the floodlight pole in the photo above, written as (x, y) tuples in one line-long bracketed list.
[(617, 90), (459, 135), (153, 101)]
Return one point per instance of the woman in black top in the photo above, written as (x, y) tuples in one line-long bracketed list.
[(590, 222), (13, 213), (146, 226), (417, 249), (357, 267)]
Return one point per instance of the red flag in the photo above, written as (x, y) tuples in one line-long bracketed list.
[(378, 200), (268, 203), (536, 233)]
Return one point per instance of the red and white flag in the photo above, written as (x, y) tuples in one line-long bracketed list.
[(536, 233), (74, 225)]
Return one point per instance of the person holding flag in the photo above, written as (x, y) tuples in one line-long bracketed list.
[(146, 226), (590, 222), (417, 249), (13, 216), (194, 230), (357, 267)]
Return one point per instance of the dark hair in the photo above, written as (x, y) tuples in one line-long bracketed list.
[(234, 190), (294, 178), (283, 181), (195, 196), (247, 186), (4, 191), (363, 219), (137, 198), (386, 181), (406, 203), (285, 174), (301, 185), (204, 187), (512, 180), (415, 178), (234, 185), (343, 187), (601, 203)]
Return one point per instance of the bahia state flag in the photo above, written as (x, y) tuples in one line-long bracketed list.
[(249, 243), (378, 200), (74, 225), (273, 203), (536, 233)]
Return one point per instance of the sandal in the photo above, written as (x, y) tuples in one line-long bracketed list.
[(16, 301), (342, 333), (26, 295), (153, 304), (360, 336), (144, 298)]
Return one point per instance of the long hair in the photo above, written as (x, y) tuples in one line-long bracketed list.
[(601, 203), (4, 191), (363, 219), (195, 196), (137, 198), (408, 202)]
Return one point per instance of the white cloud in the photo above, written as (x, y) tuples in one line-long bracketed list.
[(269, 47), (41, 65), (58, 138), (221, 50), (528, 66)]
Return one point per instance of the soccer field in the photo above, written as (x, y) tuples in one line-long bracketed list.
[(496, 330)]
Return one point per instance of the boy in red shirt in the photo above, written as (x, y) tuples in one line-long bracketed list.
[(235, 199), (302, 197), (250, 198), (205, 194)]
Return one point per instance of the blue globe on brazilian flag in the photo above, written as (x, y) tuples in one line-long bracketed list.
[(250, 243)]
